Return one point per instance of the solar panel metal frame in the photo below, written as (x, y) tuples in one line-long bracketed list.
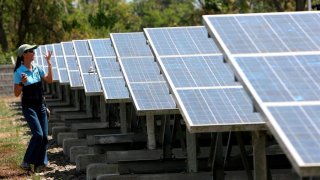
[(101, 78), (139, 110), (70, 72), (84, 75), (313, 169), (220, 128)]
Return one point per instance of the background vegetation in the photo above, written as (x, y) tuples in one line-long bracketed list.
[(54, 21)]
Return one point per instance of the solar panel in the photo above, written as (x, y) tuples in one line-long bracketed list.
[(267, 33), (61, 64), (37, 59), (71, 65), (207, 95), (278, 64), (146, 85), (87, 68), (108, 70), (55, 74)]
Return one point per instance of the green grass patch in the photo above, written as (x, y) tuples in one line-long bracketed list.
[(12, 137)]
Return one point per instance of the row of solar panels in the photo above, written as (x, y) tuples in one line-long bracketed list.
[(275, 56)]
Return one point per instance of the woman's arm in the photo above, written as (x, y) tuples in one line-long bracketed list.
[(48, 77), (18, 87)]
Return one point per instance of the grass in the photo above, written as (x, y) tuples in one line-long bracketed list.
[(13, 140)]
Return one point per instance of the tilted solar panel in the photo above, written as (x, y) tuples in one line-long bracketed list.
[(276, 57), (108, 70), (88, 72), (61, 64), (207, 95), (71, 65), (146, 85)]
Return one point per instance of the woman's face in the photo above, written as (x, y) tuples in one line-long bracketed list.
[(28, 54)]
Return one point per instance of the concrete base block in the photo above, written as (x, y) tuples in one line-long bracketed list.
[(68, 143), (65, 135), (89, 125), (79, 150), (52, 124), (82, 161), (93, 170), (169, 176), (228, 175), (58, 129), (73, 115)]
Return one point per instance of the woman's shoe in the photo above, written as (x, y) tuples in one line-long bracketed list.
[(25, 166)]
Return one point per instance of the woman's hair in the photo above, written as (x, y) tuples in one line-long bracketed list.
[(18, 63)]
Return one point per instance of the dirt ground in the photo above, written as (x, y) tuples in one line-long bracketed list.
[(60, 166)]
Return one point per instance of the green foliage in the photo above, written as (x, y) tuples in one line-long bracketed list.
[(46, 21)]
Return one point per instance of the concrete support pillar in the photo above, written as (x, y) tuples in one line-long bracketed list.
[(67, 94), (123, 118), (150, 131), (103, 112), (192, 152), (259, 155), (76, 99), (88, 106)]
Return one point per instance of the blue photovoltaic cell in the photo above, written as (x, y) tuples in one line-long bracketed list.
[(93, 79), (211, 106), (182, 41), (86, 64), (71, 61), (266, 33), (301, 126), (131, 44), (82, 48), (68, 48), (147, 86), (198, 71), (141, 69), (64, 76), (75, 79), (60, 62), (108, 70), (57, 50), (102, 48), (108, 67), (150, 101), (283, 78), (115, 88)]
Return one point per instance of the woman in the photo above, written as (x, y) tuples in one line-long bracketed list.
[(27, 79)]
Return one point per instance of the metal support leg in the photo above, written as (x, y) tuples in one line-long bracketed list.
[(259, 155), (123, 118), (229, 149), (150, 132), (192, 152), (166, 145), (243, 154), (217, 164)]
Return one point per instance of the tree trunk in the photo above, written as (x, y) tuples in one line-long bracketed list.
[(24, 21), (300, 5), (278, 6), (3, 36)]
